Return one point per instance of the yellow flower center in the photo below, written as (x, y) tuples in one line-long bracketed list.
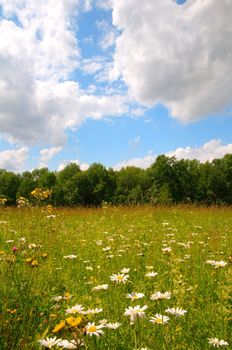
[(120, 277), (92, 329), (159, 320)]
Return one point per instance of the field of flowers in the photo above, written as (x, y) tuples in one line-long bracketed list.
[(115, 278)]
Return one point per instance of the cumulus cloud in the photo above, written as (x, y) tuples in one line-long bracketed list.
[(207, 152), (38, 52), (83, 166), (143, 162), (179, 55), (213, 149), (104, 4), (13, 159), (109, 34), (87, 5), (48, 153)]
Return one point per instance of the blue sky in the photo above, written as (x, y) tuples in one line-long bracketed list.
[(113, 82)]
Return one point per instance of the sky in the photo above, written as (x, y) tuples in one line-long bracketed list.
[(116, 82)]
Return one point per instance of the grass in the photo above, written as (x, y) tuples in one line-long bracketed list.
[(37, 272)]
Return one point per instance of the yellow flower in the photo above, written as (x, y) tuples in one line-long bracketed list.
[(67, 296), (59, 326), (2, 252), (13, 311), (73, 321), (34, 263)]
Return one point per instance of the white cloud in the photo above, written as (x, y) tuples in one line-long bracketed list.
[(13, 159), (104, 4), (46, 154), (87, 5), (38, 52), (143, 163), (177, 55), (83, 166), (92, 65), (108, 34), (213, 149), (209, 151)]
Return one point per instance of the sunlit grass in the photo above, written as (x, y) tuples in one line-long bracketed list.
[(50, 264)]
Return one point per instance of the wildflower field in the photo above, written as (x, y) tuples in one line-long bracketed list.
[(115, 278)]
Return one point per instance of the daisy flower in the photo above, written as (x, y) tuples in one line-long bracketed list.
[(100, 287), (167, 249), (125, 270), (135, 296), (135, 312), (51, 216), (92, 329), (159, 319), (119, 278), (160, 296), (65, 344), (106, 249), (217, 264), (71, 256), (92, 311), (49, 342), (151, 274), (216, 342), (176, 311), (113, 325), (75, 309)]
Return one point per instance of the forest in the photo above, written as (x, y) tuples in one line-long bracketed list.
[(166, 181)]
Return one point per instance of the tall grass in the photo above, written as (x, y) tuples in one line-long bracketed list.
[(36, 267)]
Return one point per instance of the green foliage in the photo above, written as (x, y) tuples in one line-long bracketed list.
[(166, 181)]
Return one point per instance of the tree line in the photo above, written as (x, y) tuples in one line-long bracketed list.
[(166, 181)]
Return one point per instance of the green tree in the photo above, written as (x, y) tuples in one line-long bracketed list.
[(9, 185)]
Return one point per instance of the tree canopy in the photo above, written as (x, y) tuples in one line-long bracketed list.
[(166, 181)]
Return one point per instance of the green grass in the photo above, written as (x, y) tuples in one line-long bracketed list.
[(136, 237)]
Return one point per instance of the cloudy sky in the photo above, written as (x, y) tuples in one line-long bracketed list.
[(114, 81)]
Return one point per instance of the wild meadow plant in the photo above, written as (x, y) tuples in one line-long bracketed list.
[(115, 278)]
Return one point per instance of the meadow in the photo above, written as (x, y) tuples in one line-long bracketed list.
[(116, 278)]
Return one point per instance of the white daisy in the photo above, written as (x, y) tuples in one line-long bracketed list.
[(92, 311), (159, 319), (119, 278), (218, 264), (167, 249), (125, 270), (176, 311), (51, 216), (75, 309), (49, 342), (135, 312), (113, 325), (92, 329), (216, 342), (65, 344), (151, 274), (160, 296), (100, 287), (135, 296), (71, 256), (106, 249)]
